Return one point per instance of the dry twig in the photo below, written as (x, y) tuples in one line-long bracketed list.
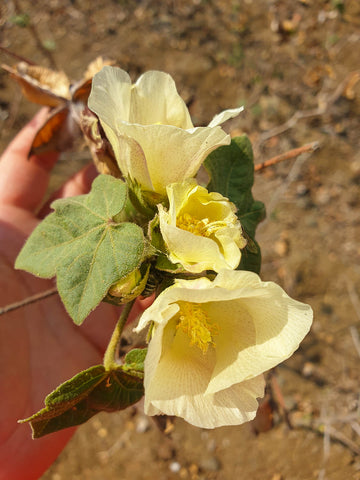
[(15, 55), (334, 435), (308, 148), (356, 339), (354, 298), (324, 103), (28, 301)]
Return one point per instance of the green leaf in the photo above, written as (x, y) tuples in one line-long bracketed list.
[(84, 245), (134, 360), (251, 257), (164, 264), (83, 396), (231, 170)]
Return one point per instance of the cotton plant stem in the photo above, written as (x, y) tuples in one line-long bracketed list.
[(110, 354)]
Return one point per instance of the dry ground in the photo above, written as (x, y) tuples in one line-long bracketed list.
[(277, 58)]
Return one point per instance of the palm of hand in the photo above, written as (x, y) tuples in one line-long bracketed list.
[(40, 346)]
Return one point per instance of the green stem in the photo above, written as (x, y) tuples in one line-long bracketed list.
[(110, 354)]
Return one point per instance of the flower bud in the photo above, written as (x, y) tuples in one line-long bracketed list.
[(128, 287)]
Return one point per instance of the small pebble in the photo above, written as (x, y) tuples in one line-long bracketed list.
[(175, 467), (308, 369), (142, 425)]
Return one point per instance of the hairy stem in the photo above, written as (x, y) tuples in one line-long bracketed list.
[(110, 354)]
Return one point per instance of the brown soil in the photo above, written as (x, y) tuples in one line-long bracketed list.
[(276, 57)]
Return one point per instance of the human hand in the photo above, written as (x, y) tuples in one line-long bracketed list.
[(40, 347)]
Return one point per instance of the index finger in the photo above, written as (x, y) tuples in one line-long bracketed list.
[(23, 181)]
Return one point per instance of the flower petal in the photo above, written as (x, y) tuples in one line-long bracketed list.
[(258, 326), (155, 100), (260, 329), (172, 154), (186, 369), (224, 116), (176, 385), (110, 99), (131, 159), (110, 96), (195, 253), (233, 406), (201, 230)]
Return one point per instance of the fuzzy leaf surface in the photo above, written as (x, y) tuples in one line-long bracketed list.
[(83, 396), (134, 360), (84, 245)]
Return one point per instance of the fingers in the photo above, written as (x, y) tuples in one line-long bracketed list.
[(23, 182), (78, 184)]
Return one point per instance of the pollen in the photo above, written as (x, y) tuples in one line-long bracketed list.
[(192, 224), (203, 228), (196, 324)]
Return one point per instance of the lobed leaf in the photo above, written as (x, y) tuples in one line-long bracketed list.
[(84, 245)]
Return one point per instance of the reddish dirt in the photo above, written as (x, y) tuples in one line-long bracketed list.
[(277, 58)]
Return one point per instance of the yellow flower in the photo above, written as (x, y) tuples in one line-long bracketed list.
[(211, 343), (150, 129), (201, 230)]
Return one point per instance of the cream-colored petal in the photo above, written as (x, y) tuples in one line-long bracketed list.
[(257, 332), (195, 253), (110, 101), (173, 154), (258, 327), (200, 229), (197, 200), (161, 311), (110, 96), (178, 194), (154, 99), (233, 406), (224, 116), (231, 241), (237, 404), (173, 368), (131, 159)]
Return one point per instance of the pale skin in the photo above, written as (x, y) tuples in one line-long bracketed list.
[(40, 347)]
